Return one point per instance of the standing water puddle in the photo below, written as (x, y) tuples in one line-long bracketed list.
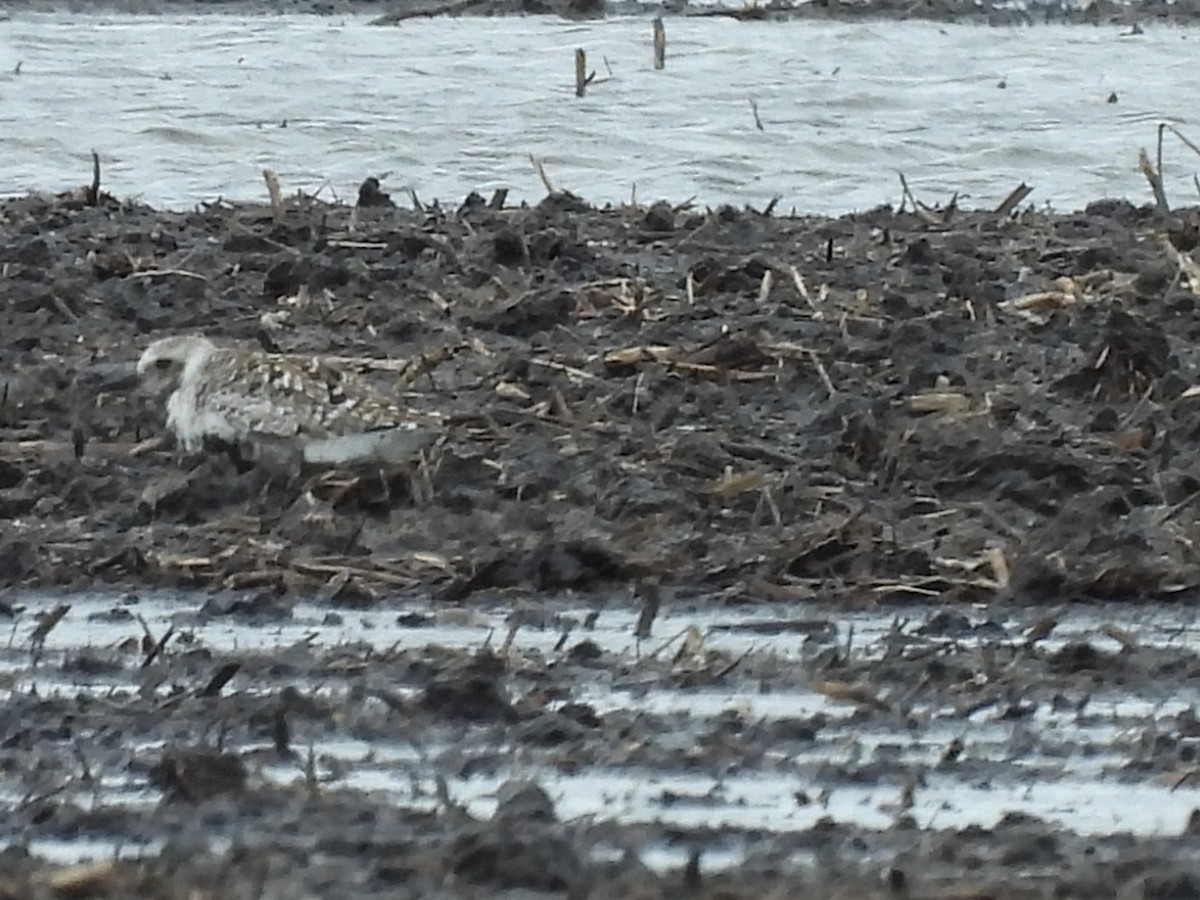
[(770, 746)]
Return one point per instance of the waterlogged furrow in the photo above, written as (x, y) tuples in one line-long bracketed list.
[(740, 721)]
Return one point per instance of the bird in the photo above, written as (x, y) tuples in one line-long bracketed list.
[(280, 407)]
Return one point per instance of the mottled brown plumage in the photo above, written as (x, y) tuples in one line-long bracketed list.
[(321, 410)]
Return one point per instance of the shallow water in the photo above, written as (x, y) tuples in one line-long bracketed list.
[(1065, 763), (187, 109)]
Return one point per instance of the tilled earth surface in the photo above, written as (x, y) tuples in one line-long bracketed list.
[(643, 404), (883, 404)]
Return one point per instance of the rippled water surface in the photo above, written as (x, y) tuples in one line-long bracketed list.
[(184, 109)]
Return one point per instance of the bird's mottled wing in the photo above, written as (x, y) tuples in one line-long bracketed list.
[(289, 396), (348, 403), (238, 390)]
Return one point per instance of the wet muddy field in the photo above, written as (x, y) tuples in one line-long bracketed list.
[(759, 555)]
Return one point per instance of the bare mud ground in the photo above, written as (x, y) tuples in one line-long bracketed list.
[(651, 404), (392, 12), (768, 407)]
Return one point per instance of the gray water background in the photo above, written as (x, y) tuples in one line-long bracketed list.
[(184, 109)]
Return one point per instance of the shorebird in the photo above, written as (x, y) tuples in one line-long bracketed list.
[(309, 409)]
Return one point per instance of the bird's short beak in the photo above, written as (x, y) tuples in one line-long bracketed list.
[(106, 377)]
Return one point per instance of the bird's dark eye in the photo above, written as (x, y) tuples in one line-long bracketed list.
[(162, 364)]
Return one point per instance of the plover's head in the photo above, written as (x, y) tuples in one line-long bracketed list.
[(163, 362)]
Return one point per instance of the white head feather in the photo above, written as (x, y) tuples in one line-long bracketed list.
[(175, 365), (164, 362)]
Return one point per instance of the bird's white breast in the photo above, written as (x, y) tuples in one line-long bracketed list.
[(192, 423)]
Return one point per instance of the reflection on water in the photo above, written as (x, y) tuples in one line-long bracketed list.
[(187, 109)]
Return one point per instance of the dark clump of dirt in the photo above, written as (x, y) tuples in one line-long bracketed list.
[(888, 404)]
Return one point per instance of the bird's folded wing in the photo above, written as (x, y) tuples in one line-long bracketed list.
[(247, 415), (309, 399)]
